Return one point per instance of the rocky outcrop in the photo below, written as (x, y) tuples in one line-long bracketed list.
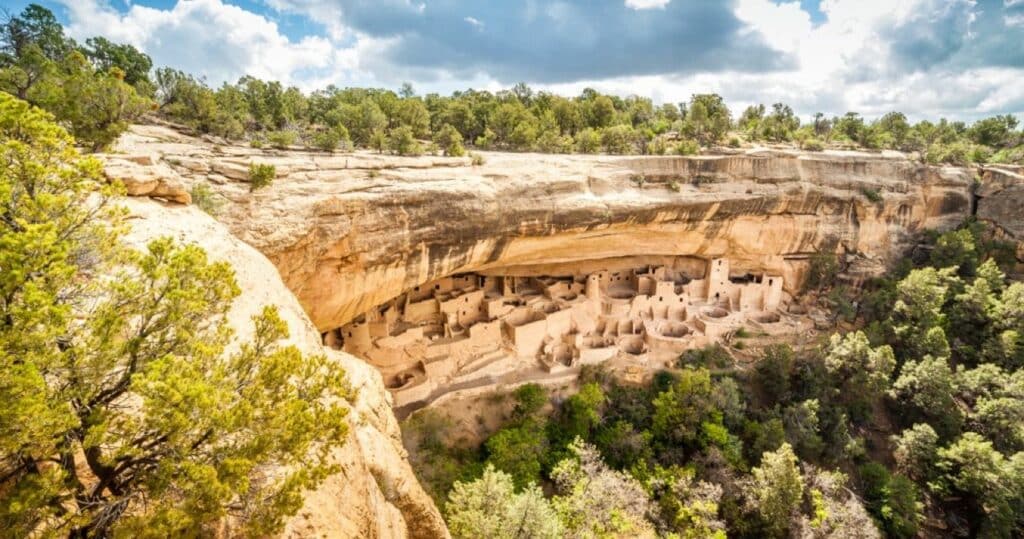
[(142, 175), (375, 495), (348, 232), (1000, 202)]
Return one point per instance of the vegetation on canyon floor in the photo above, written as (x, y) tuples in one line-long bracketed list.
[(122, 412), (913, 422), (97, 89)]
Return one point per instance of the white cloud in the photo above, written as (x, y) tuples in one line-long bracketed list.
[(212, 39), (845, 62), (647, 4)]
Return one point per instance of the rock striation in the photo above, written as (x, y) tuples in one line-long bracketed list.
[(341, 235), (351, 231), (1000, 202)]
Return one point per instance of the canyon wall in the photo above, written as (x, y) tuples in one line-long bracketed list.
[(375, 494), (348, 232)]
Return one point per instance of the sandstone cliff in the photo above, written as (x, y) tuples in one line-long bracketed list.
[(1001, 204), (348, 232), (376, 494)]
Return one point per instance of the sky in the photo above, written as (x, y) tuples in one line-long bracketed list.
[(960, 59)]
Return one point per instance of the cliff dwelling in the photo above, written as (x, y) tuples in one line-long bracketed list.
[(473, 331)]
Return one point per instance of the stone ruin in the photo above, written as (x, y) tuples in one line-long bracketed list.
[(466, 330)]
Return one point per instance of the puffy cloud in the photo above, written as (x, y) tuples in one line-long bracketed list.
[(957, 58), (559, 41), (209, 38)]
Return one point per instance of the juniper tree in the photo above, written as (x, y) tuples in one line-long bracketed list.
[(122, 414)]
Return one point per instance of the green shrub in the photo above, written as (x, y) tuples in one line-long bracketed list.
[(618, 139), (813, 145), (822, 271), (332, 138), (871, 194), (281, 139), (326, 140), (588, 141), (261, 175), (256, 143), (402, 142), (734, 142), (687, 147), (957, 153), (476, 159), (205, 199), (450, 141)]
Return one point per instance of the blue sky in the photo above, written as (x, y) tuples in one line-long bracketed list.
[(929, 58)]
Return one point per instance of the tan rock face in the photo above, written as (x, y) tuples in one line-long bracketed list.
[(1001, 204), (375, 494), (348, 232)]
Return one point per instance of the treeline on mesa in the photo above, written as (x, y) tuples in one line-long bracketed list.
[(98, 88)]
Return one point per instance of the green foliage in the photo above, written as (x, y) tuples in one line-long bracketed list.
[(450, 141), (915, 451), (872, 195), (261, 175), (135, 397), (518, 450), (205, 198), (813, 145), (687, 147), (402, 142), (595, 501), (821, 271), (618, 139), (135, 64), (281, 140), (776, 489), (860, 373), (530, 399), (891, 499), (491, 507), (971, 466), (477, 160), (328, 140), (713, 356), (588, 141)]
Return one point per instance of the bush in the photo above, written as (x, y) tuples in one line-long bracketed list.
[(476, 159), (871, 194), (687, 147), (331, 139), (822, 271), (734, 142), (256, 143), (261, 175), (326, 140), (281, 139), (588, 141), (618, 139), (205, 199), (402, 142), (450, 141), (813, 145), (957, 153)]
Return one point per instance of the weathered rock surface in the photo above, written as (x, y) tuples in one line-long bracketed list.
[(143, 176), (1001, 204), (348, 232), (376, 494)]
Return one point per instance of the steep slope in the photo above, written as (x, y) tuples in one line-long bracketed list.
[(375, 494)]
